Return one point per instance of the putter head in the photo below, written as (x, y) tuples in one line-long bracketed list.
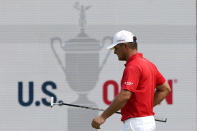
[(52, 101)]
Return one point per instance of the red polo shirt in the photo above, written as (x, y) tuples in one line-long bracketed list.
[(140, 77)]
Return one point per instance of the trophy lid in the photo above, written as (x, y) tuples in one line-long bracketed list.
[(82, 44)]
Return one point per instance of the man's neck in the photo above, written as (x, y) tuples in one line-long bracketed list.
[(131, 53)]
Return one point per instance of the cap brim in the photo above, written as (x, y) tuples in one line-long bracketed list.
[(111, 46)]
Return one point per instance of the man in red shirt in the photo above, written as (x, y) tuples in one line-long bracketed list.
[(139, 81)]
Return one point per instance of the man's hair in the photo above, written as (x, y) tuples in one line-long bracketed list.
[(133, 45)]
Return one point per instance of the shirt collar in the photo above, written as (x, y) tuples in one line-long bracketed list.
[(137, 55)]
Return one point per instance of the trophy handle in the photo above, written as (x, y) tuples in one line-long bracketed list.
[(108, 53), (55, 53)]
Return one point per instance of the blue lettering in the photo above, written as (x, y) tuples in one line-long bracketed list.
[(48, 93), (20, 94)]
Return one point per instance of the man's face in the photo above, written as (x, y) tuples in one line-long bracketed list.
[(120, 51)]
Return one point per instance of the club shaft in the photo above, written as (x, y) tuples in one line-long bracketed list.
[(92, 108)]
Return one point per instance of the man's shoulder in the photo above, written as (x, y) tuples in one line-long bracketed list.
[(141, 62), (133, 66)]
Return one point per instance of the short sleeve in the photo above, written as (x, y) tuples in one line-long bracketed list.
[(130, 79), (159, 78)]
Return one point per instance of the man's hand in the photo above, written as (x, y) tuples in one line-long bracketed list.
[(97, 122), (119, 101)]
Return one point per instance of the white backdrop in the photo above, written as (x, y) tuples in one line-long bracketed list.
[(166, 32)]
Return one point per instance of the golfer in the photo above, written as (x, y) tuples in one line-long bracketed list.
[(139, 81)]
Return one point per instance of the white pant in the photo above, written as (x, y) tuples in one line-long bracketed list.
[(146, 123)]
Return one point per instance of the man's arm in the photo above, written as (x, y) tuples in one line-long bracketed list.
[(161, 92), (119, 101)]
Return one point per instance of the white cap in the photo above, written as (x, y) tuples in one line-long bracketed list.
[(122, 36)]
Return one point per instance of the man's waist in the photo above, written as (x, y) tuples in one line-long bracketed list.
[(142, 119), (127, 115)]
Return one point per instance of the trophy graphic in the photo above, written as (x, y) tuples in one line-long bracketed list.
[(82, 70)]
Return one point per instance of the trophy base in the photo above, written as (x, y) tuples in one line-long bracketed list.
[(80, 119)]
